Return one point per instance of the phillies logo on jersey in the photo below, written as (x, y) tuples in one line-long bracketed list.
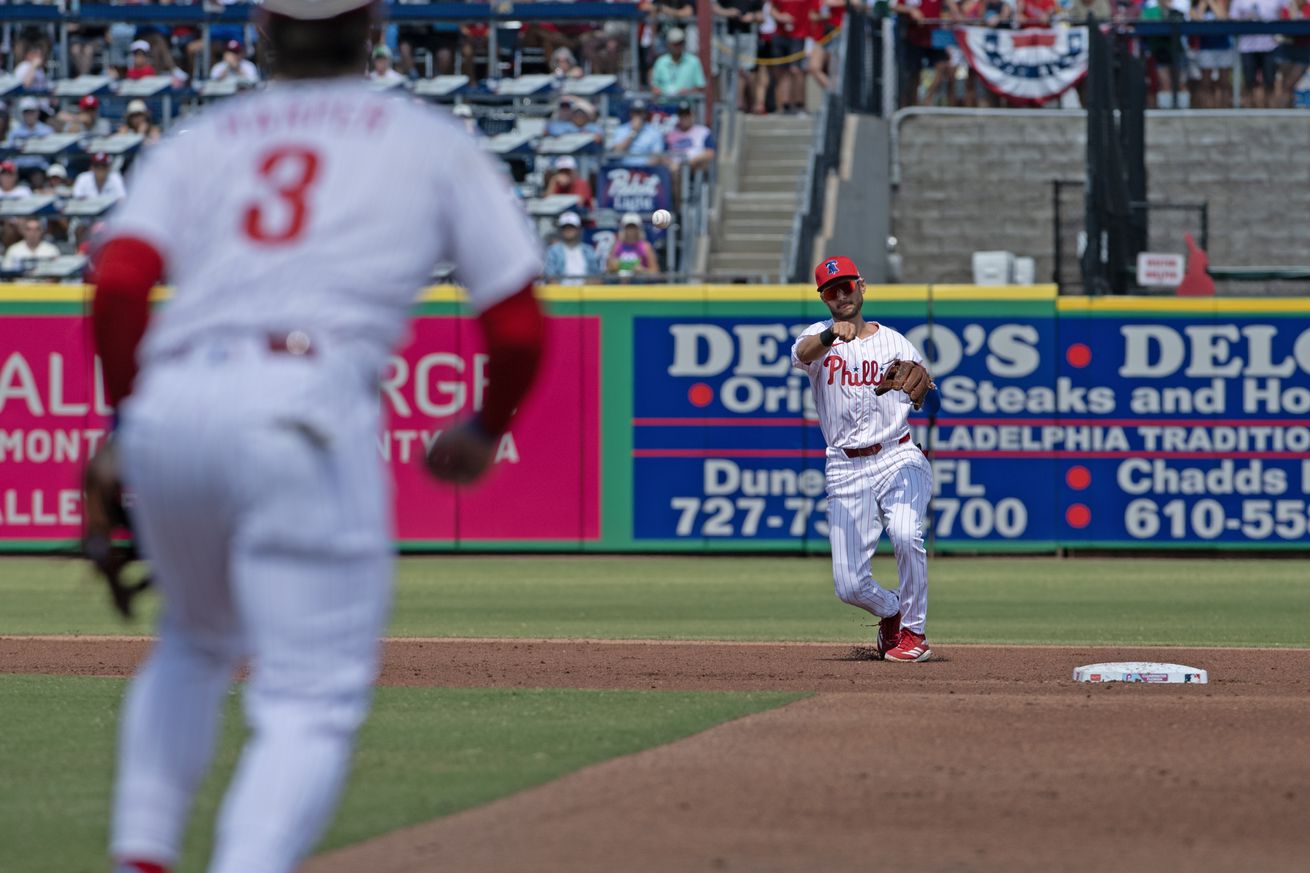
[(869, 374)]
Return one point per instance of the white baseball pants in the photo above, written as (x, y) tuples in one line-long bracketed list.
[(261, 504), (887, 491)]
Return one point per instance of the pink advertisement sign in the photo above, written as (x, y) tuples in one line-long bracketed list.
[(545, 485)]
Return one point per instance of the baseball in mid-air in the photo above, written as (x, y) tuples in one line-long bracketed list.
[(661, 218)]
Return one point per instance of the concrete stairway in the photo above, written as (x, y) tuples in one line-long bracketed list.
[(755, 221)]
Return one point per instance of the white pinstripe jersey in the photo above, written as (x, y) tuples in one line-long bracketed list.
[(843, 381)]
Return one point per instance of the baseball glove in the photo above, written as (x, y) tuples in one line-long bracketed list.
[(908, 376), (104, 514)]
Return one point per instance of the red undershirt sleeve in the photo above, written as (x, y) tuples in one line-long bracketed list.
[(125, 270), (514, 329)]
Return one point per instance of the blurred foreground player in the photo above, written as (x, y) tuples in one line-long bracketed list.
[(315, 211)]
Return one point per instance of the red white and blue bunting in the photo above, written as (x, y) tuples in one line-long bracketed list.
[(1027, 66)]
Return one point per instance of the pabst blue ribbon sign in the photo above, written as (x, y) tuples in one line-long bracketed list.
[(1030, 65), (635, 189)]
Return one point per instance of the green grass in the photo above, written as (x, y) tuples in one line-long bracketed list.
[(425, 752), (1164, 601)]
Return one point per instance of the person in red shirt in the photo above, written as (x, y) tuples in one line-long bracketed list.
[(139, 67), (1037, 13), (788, 46), (918, 19), (826, 19), (565, 180)]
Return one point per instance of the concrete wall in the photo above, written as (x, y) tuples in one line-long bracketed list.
[(982, 180)]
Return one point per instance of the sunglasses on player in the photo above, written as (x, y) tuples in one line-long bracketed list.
[(838, 290)]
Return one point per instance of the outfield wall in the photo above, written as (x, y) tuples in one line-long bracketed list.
[(668, 419)]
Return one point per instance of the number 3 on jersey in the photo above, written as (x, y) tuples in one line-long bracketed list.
[(279, 216)]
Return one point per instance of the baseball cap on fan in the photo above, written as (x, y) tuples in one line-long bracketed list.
[(313, 10), (834, 270)]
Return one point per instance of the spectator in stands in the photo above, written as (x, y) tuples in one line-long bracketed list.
[(603, 48), (33, 247), (787, 49), (464, 113), (564, 65), (567, 180), (28, 126), (31, 72), (1037, 13), (235, 65), (383, 73), (137, 120), (1259, 58), (637, 140), (139, 65), (1078, 12), (1214, 58), (569, 260), (86, 119), (689, 143), (1168, 54), (84, 40), (99, 181), (740, 19), (10, 187), (677, 73), (57, 179), (825, 19), (1294, 55), (473, 40), (632, 254), (919, 52), (581, 119)]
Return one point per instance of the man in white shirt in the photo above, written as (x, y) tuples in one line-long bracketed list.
[(99, 181), (235, 65), (30, 73), (31, 248), (383, 73)]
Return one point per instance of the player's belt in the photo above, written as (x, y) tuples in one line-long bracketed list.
[(873, 449), (296, 343)]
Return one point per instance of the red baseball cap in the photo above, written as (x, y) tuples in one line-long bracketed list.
[(834, 269), (99, 158), (8, 167), (90, 101)]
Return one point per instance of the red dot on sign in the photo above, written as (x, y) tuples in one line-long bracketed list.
[(1078, 477), (1079, 355), (700, 394), (1078, 516)]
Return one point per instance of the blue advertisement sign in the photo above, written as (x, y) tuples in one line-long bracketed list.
[(634, 189), (1046, 430)]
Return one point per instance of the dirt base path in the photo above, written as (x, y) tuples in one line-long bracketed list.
[(987, 760)]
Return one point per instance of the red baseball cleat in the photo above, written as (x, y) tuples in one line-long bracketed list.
[(910, 647), (889, 633)]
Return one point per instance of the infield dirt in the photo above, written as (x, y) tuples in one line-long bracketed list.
[(986, 759)]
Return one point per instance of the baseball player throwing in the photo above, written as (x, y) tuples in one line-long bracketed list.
[(877, 478), (295, 227)]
